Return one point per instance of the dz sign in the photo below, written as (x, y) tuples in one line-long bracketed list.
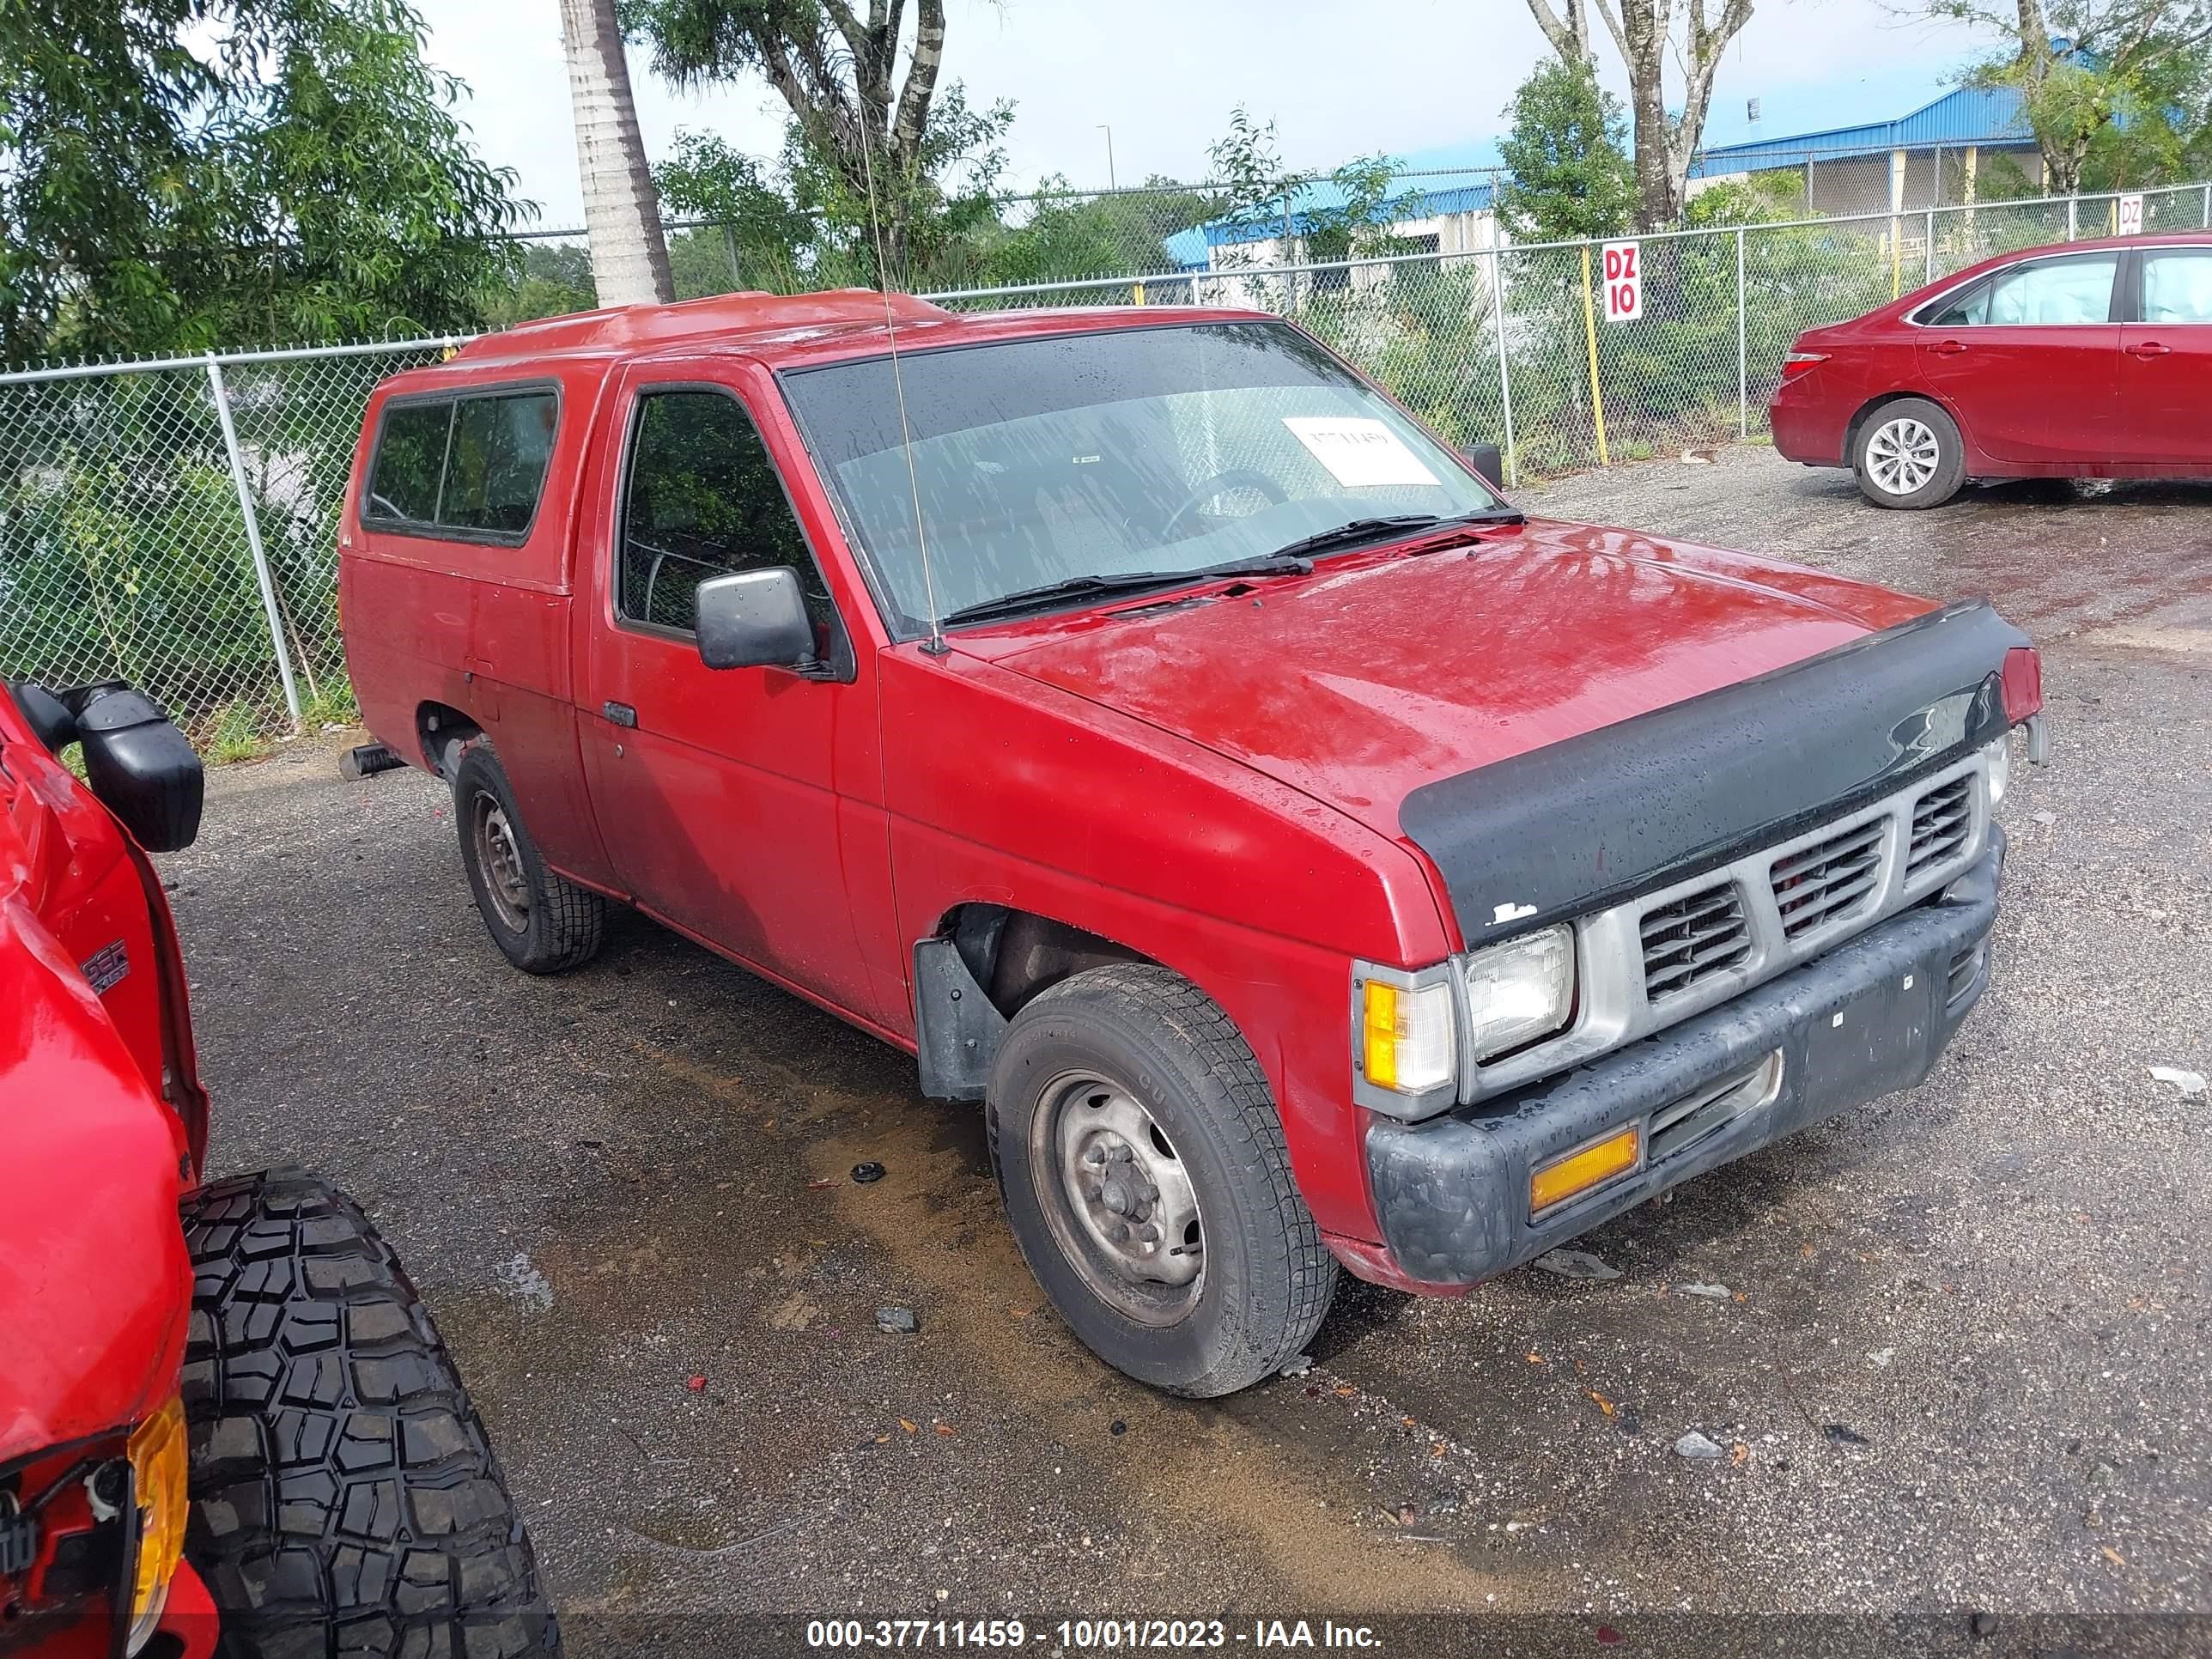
[(1623, 282), (2131, 216)]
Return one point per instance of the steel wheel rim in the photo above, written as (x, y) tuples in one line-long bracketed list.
[(1119, 1199), (1903, 455), (500, 859)]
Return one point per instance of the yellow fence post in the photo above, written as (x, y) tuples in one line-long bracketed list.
[(1136, 294), (1589, 334)]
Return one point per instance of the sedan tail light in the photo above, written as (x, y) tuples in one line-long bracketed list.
[(1797, 362)]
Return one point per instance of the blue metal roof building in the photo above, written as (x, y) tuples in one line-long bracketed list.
[(1926, 159), (1410, 199), (1986, 117), (1920, 160)]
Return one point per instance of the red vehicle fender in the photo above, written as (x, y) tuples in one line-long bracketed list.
[(90, 1173), (93, 1160)]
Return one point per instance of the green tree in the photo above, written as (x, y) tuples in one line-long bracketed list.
[(753, 236), (2112, 89), (1071, 234), (871, 150), (180, 173), (1569, 178), (1663, 43), (553, 279)]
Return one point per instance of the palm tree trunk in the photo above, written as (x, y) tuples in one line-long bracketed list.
[(621, 211)]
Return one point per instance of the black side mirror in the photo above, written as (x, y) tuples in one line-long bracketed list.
[(50, 721), (755, 619), (1489, 461), (140, 766)]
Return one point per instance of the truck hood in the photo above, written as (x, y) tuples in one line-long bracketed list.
[(1377, 675)]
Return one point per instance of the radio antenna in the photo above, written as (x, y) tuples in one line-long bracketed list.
[(935, 647)]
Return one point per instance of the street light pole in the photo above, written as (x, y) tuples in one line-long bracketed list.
[(1108, 131)]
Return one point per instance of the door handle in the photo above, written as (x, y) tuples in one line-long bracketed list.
[(2148, 349), (621, 714), (1950, 348)]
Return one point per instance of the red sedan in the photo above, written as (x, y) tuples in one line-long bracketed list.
[(2088, 360)]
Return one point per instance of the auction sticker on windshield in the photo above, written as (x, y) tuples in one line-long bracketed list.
[(1357, 450)]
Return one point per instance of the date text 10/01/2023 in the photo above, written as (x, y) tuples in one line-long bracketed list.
[(1083, 1635)]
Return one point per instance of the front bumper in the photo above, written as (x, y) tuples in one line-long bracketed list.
[(1869, 1017)]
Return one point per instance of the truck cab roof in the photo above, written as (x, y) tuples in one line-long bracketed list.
[(782, 330)]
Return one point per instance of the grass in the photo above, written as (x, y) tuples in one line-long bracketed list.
[(235, 734), (336, 706)]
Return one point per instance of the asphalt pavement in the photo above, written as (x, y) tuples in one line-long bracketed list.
[(1952, 1346)]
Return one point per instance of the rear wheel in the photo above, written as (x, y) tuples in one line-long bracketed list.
[(1145, 1179), (1909, 455), (544, 922), (344, 1499)]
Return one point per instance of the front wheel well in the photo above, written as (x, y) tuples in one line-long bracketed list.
[(1015, 954)]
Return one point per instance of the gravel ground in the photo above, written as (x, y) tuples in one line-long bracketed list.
[(1959, 1361)]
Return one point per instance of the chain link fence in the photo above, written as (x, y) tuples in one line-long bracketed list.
[(1512, 346), (173, 523)]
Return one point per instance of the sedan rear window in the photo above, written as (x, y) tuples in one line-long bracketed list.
[(472, 468), (2047, 292), (2177, 286)]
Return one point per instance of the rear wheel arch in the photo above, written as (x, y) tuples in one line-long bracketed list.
[(1909, 452), (437, 725), (1868, 410)]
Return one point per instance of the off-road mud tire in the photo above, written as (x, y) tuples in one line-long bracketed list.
[(1268, 1278), (565, 922), (344, 1499)]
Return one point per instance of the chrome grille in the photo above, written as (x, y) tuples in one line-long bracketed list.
[(1829, 879), (1942, 820), (1669, 955), (1692, 938)]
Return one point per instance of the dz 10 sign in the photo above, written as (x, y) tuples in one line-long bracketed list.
[(1623, 282)]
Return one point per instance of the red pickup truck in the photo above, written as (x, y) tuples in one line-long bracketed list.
[(1144, 719)]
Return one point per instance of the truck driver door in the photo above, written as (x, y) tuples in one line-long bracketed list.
[(717, 789)]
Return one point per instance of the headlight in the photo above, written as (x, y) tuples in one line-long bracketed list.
[(1520, 990), (1999, 757), (158, 1483), (1406, 1040)]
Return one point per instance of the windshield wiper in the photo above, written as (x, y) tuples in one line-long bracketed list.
[(1360, 531), (1113, 581)]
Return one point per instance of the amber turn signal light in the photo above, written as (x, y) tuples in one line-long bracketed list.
[(1586, 1167)]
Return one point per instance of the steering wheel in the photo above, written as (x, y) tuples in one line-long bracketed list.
[(1235, 477)]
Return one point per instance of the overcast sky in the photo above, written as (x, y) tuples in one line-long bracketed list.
[(1422, 79)]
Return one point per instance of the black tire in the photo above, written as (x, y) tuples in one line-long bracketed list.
[(344, 1497), (1904, 440), (544, 922), (1265, 1277)]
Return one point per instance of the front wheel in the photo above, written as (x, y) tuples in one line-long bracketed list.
[(344, 1499), (1909, 455), (1145, 1179)]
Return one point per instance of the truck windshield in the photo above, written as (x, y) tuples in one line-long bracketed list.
[(1046, 460)]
